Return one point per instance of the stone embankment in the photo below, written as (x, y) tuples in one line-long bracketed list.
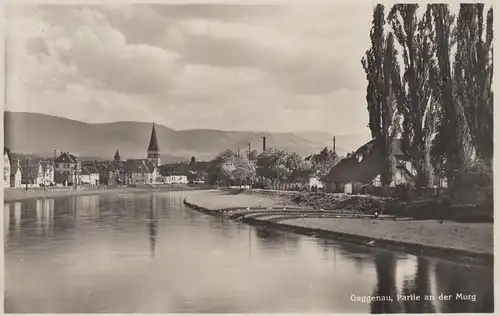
[(471, 242)]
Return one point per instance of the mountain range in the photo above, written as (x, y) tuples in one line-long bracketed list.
[(40, 134)]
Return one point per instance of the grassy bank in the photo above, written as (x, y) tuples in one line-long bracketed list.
[(15, 195), (439, 208), (472, 242)]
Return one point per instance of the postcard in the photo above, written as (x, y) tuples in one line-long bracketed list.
[(267, 157)]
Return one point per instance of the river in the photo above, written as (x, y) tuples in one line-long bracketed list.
[(148, 253)]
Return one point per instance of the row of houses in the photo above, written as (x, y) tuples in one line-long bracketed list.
[(65, 170), (140, 171)]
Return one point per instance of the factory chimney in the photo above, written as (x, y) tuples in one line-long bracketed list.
[(264, 143)]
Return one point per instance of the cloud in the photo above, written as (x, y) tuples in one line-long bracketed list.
[(278, 68), (313, 56)]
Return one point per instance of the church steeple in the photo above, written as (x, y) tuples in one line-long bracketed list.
[(153, 149), (153, 142), (117, 156)]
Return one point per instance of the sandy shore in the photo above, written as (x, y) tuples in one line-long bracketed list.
[(470, 241), (15, 195)]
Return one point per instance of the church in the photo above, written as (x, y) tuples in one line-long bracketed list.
[(142, 171)]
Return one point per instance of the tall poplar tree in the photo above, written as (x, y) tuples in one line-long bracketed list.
[(417, 105), (455, 134), (382, 73), (473, 74)]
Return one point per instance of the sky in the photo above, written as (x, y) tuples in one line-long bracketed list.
[(280, 68)]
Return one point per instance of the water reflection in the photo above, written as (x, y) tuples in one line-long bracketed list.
[(153, 225), (385, 267), (101, 254), (454, 279)]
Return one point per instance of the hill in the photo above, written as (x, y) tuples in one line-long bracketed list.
[(40, 134)]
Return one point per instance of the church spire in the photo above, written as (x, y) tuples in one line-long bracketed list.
[(153, 150), (153, 142)]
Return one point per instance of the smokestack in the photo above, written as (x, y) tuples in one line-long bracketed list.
[(264, 143)]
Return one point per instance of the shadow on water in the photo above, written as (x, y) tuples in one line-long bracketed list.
[(214, 264), (272, 239), (385, 266), (454, 281)]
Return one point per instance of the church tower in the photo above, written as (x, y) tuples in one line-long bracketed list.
[(117, 157), (153, 150)]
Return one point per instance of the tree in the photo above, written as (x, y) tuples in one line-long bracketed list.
[(253, 155), (244, 170), (271, 164), (201, 175), (297, 169), (454, 134), (323, 162), (303, 172), (382, 73), (416, 103), (219, 168), (473, 74), (193, 161)]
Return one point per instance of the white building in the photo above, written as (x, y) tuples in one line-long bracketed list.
[(48, 172), (90, 176), (15, 174), (6, 168), (67, 169), (140, 171), (176, 179)]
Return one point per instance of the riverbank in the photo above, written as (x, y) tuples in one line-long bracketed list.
[(18, 194), (471, 242), (438, 207)]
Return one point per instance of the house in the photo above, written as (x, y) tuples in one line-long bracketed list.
[(111, 173), (177, 173), (6, 168), (89, 175), (176, 178), (67, 169), (32, 173), (364, 167), (15, 174), (140, 171), (48, 172)]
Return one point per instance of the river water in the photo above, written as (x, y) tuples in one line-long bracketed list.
[(148, 253)]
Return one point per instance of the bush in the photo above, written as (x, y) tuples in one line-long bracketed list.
[(479, 179)]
